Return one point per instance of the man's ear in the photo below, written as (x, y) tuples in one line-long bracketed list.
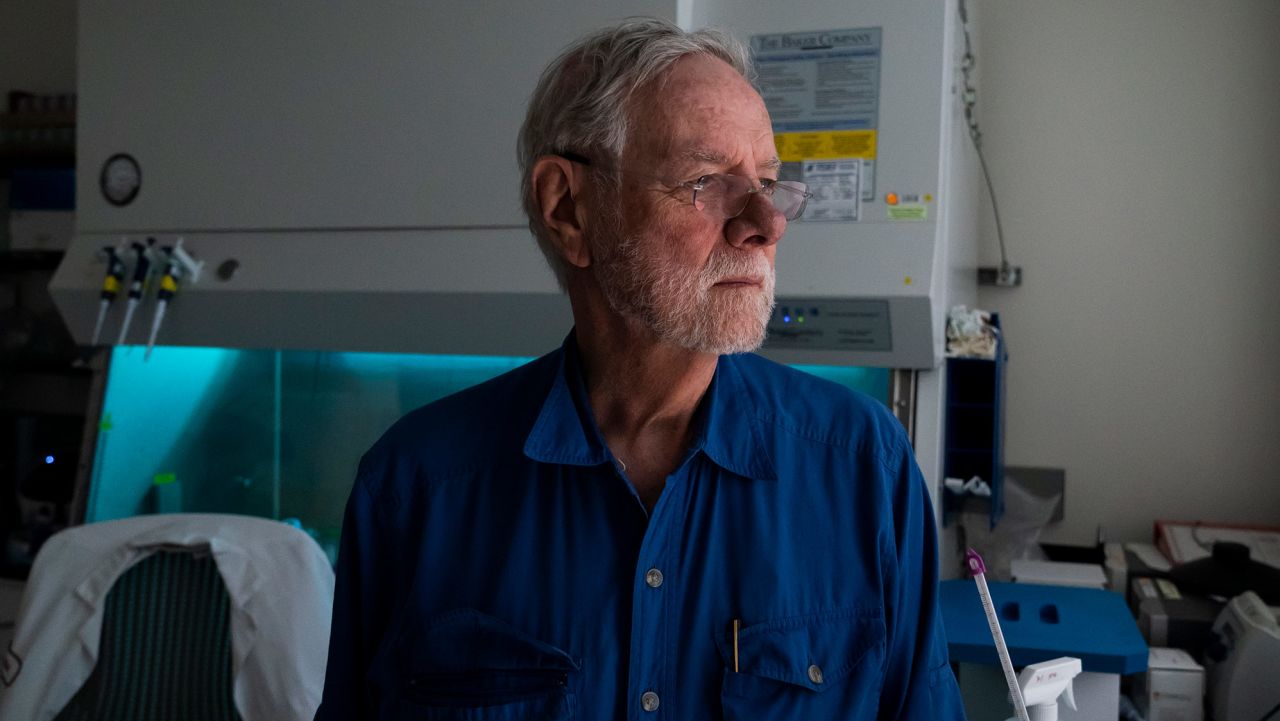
[(557, 183)]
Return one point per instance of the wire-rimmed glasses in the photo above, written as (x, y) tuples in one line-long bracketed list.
[(727, 195)]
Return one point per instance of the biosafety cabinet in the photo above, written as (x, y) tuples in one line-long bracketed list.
[(345, 176)]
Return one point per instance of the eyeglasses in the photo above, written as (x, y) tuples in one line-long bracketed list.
[(727, 195)]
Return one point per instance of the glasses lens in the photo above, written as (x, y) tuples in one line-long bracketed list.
[(789, 197), (728, 195), (725, 195)]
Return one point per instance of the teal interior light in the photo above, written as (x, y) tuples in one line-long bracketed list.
[(148, 411), (872, 381), (276, 433)]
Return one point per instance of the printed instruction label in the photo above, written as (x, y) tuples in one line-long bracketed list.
[(822, 90), (835, 185)]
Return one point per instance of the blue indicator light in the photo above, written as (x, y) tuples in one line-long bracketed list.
[(48, 460), (786, 319)]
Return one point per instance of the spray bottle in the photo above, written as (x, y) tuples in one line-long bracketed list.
[(1044, 683)]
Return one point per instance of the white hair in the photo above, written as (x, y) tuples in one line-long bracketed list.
[(581, 103)]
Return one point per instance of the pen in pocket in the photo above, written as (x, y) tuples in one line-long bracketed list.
[(737, 625)]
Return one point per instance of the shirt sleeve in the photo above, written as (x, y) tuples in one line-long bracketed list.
[(919, 684), (359, 610)]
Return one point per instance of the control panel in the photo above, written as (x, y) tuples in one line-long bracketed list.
[(830, 324)]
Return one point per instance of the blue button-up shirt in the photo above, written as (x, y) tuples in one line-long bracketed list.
[(495, 562)]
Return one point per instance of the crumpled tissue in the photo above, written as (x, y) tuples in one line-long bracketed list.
[(970, 334)]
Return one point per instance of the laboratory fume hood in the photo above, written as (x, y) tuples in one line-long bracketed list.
[(346, 177)]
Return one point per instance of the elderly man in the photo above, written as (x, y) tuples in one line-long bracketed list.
[(643, 524)]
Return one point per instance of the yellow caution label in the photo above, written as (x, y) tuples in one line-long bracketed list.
[(169, 284), (826, 145), (111, 285)]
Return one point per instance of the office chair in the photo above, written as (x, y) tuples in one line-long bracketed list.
[(184, 617), (165, 649)]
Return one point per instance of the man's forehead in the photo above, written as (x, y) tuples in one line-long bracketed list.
[(704, 112)]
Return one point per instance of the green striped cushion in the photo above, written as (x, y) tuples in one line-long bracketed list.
[(165, 652)]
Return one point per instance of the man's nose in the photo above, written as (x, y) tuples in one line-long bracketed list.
[(759, 224)]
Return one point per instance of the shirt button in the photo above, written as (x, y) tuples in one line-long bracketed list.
[(653, 578), (649, 701), (815, 673)]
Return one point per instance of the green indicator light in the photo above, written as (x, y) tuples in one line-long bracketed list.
[(800, 319)]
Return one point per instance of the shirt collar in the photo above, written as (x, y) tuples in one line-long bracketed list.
[(730, 432), (565, 431)]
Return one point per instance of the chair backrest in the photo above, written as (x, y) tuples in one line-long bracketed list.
[(165, 649), (242, 624)]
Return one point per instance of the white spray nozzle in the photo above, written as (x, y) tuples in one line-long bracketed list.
[(1044, 683)]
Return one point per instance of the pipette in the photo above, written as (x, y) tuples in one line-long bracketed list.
[(141, 270), (177, 263), (979, 571), (111, 283)]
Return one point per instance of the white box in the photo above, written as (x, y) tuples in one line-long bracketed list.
[(1172, 689), (41, 229), (1116, 568), (1055, 573)]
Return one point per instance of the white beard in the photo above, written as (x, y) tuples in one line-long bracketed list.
[(678, 304)]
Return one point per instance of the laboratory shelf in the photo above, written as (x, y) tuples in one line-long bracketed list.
[(974, 440)]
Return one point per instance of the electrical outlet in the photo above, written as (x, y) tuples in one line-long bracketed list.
[(1007, 276)]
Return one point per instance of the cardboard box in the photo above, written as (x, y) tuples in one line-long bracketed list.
[(41, 229), (1054, 573), (1172, 689), (1169, 618)]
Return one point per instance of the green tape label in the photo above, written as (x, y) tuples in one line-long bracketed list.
[(909, 211)]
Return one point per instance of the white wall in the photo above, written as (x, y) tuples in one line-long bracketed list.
[(38, 46), (1135, 149)]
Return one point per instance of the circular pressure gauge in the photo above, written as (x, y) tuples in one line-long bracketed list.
[(120, 180)]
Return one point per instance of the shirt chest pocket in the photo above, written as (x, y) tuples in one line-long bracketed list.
[(825, 665), (469, 666)]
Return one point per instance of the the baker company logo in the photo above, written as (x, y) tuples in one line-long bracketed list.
[(12, 665), (826, 40)]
